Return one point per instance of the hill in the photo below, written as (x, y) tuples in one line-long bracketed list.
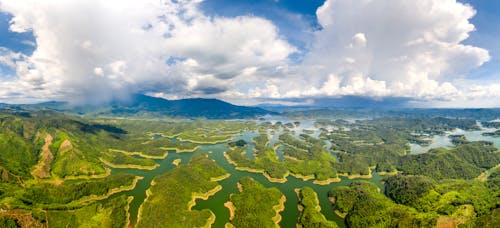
[(145, 105)]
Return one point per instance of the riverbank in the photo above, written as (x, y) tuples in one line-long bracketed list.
[(205, 142), (279, 208), (214, 179), (92, 198), (148, 194), (357, 176), (337, 212), (203, 196), (177, 150), (141, 154), (388, 173), (129, 200), (327, 181), (253, 170), (230, 206), (58, 180), (300, 176), (129, 166)]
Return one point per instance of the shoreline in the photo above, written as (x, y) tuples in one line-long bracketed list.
[(58, 180), (176, 162), (317, 208), (279, 208), (177, 150), (357, 176), (304, 178), (337, 212), (92, 198), (205, 142), (129, 166), (230, 206), (215, 179), (383, 173), (141, 154), (148, 194), (210, 220), (327, 181), (276, 180), (252, 170), (127, 209), (203, 196)]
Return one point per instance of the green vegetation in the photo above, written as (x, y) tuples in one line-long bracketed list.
[(71, 194), (8, 222), (255, 205), (407, 189), (493, 134), (364, 206), (265, 161), (172, 195), (309, 157), (311, 215), (458, 139), (119, 159), (466, 161), (239, 143), (63, 179), (305, 158), (454, 201), (110, 213)]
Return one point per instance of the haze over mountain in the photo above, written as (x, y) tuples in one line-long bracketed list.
[(426, 53), (140, 104)]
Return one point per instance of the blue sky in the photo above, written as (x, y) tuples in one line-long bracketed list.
[(251, 52), (487, 22), (296, 18)]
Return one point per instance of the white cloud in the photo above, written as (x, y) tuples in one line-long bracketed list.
[(383, 48), (109, 49), (9, 58), (94, 51)]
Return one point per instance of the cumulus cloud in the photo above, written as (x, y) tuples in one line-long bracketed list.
[(95, 51), (388, 48)]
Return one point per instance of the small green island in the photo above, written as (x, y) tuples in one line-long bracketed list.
[(255, 205), (310, 211), (179, 188)]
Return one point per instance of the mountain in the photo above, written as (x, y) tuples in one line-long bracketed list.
[(145, 105)]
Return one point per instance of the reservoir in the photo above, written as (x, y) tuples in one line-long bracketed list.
[(229, 185)]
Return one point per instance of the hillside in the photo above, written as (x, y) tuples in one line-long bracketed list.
[(146, 105)]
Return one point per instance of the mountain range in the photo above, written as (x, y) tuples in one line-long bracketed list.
[(146, 105)]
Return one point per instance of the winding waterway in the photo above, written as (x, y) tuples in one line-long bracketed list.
[(291, 213), (216, 202), (445, 141)]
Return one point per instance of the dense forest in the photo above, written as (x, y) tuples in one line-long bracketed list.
[(62, 168), (173, 194)]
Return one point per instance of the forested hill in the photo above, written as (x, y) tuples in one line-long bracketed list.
[(145, 105), (193, 108)]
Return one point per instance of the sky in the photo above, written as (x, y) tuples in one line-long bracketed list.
[(426, 53)]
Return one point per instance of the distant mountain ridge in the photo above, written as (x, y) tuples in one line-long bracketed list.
[(187, 108)]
